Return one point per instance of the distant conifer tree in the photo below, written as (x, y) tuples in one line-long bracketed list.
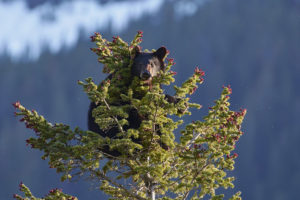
[(193, 166)]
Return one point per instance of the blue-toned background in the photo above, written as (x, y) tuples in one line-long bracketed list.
[(252, 45)]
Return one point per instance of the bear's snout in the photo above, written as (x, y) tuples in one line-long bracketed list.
[(145, 75)]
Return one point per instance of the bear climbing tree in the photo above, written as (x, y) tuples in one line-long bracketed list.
[(146, 159)]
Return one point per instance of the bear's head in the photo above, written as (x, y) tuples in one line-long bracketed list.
[(147, 65)]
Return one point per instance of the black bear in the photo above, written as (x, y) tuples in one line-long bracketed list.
[(145, 66)]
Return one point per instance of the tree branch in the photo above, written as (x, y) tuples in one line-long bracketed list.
[(116, 120), (196, 174), (128, 192)]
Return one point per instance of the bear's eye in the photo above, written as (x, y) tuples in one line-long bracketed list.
[(153, 64)]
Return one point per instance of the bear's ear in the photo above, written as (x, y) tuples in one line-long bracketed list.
[(137, 51), (160, 53)]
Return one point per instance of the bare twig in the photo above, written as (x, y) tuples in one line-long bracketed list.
[(194, 139)]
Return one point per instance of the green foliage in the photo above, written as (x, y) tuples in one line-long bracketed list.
[(192, 168), (54, 194)]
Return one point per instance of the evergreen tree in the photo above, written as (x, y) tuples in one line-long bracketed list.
[(192, 167)]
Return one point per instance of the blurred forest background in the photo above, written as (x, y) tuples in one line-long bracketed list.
[(252, 45)]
